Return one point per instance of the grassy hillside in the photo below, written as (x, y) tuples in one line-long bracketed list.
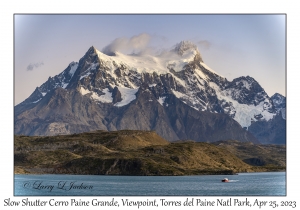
[(134, 153)]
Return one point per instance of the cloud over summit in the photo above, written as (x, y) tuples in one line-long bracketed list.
[(134, 44)]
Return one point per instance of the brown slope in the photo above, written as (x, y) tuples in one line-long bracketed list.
[(256, 155), (121, 152)]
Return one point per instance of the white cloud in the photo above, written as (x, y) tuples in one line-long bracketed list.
[(135, 44)]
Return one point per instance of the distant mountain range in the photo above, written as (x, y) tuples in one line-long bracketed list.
[(176, 94)]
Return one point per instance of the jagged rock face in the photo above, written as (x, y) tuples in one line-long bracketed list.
[(246, 90), (116, 95), (174, 93), (279, 102), (70, 112), (270, 132), (274, 130)]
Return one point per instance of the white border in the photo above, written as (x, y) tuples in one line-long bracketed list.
[(8, 8)]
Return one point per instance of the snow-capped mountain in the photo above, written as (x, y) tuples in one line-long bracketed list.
[(115, 82)]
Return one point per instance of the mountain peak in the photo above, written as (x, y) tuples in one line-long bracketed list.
[(279, 100), (92, 49), (277, 95), (185, 46)]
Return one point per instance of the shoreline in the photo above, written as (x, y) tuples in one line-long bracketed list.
[(213, 174)]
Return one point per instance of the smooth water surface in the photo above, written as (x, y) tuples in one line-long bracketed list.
[(256, 184)]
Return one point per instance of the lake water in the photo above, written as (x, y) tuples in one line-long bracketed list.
[(256, 184)]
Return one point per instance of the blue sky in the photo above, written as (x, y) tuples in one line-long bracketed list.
[(232, 45)]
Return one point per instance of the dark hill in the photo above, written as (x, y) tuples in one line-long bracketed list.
[(268, 155), (123, 153)]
